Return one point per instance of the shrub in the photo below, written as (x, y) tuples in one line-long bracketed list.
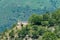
[(49, 36)]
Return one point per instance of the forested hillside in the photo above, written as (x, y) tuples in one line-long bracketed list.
[(40, 27), (13, 10)]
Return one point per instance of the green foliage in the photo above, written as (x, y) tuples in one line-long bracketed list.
[(35, 34), (35, 19), (52, 22), (46, 17), (35, 27), (45, 26), (45, 23), (41, 30), (49, 19), (11, 34), (23, 32), (57, 31), (56, 14), (58, 34), (49, 36)]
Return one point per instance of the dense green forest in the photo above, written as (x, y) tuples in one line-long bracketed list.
[(40, 27)]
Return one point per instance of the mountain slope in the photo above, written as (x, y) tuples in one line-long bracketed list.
[(13, 10)]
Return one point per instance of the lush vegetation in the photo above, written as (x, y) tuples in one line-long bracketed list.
[(40, 27)]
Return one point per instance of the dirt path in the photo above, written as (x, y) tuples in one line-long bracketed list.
[(19, 24)]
